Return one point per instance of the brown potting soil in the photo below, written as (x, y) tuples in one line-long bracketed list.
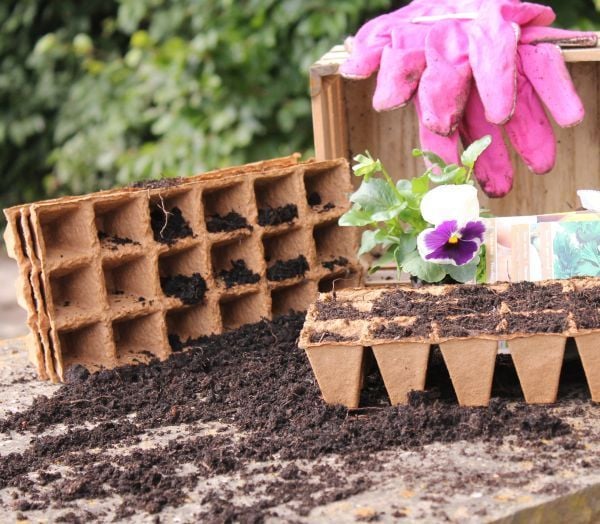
[(265, 390), (330, 264), (232, 221), (169, 225), (284, 269), (162, 183), (273, 216), (239, 273), (315, 201), (189, 289), (113, 242)]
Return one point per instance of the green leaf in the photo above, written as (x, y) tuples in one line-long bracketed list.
[(432, 157), (368, 242), (464, 273), (450, 174), (389, 214), (420, 185), (383, 260), (406, 245), (375, 195), (474, 151), (356, 216), (366, 166), (414, 265)]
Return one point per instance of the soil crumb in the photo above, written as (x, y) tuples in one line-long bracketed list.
[(239, 274), (232, 221), (270, 216), (282, 270), (189, 289), (169, 226), (340, 262), (113, 242), (163, 183)]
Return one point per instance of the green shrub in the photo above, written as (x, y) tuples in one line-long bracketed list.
[(99, 93)]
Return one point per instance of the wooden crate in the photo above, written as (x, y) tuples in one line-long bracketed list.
[(345, 124)]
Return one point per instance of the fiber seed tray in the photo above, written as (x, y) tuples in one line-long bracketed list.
[(401, 324), (123, 276)]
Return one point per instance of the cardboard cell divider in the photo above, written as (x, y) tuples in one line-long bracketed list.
[(339, 372), (588, 347), (471, 366), (538, 361), (403, 368)]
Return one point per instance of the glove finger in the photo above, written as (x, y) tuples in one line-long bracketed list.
[(493, 55), (493, 170), (367, 47), (398, 78), (526, 13), (446, 82), (530, 131), (446, 147), (562, 37), (545, 68)]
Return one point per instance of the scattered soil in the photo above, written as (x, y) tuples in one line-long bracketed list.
[(328, 336), (232, 221), (270, 216), (163, 183), (546, 322), (340, 261), (282, 270), (256, 380), (315, 201), (395, 331), (528, 296), (189, 289), (113, 242), (333, 310), (469, 325), (169, 227), (239, 274)]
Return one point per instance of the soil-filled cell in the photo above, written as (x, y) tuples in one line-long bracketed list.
[(277, 199), (245, 309), (227, 209), (174, 217), (89, 346), (68, 231), (77, 291), (130, 281), (190, 323), (293, 298), (287, 255), (182, 274), (140, 339), (226, 257), (326, 189), (122, 222), (335, 246)]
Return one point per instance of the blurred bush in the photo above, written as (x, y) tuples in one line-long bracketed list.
[(101, 92)]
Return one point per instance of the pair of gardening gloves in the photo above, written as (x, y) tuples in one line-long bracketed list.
[(477, 67)]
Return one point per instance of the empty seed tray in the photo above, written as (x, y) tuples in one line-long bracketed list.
[(122, 276), (401, 324)]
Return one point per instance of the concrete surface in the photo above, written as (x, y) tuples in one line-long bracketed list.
[(12, 317), (459, 482)]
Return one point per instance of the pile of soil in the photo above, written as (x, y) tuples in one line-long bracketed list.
[(330, 264), (232, 221), (113, 242), (315, 201), (239, 274), (256, 380), (282, 270), (170, 226), (270, 216), (190, 290)]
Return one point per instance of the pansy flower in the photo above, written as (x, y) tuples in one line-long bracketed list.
[(458, 233)]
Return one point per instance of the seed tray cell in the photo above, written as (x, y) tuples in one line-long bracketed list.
[(400, 324), (99, 254), (323, 191), (89, 345)]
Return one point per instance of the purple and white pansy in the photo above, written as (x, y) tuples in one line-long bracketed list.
[(458, 232)]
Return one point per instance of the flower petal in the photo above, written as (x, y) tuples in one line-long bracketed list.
[(435, 237), (473, 231), (450, 202), (455, 254)]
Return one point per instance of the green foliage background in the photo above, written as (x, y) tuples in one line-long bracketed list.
[(106, 92)]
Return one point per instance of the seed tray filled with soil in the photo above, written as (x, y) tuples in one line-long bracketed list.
[(239, 274), (401, 324), (316, 203), (276, 216), (62, 261), (285, 269)]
